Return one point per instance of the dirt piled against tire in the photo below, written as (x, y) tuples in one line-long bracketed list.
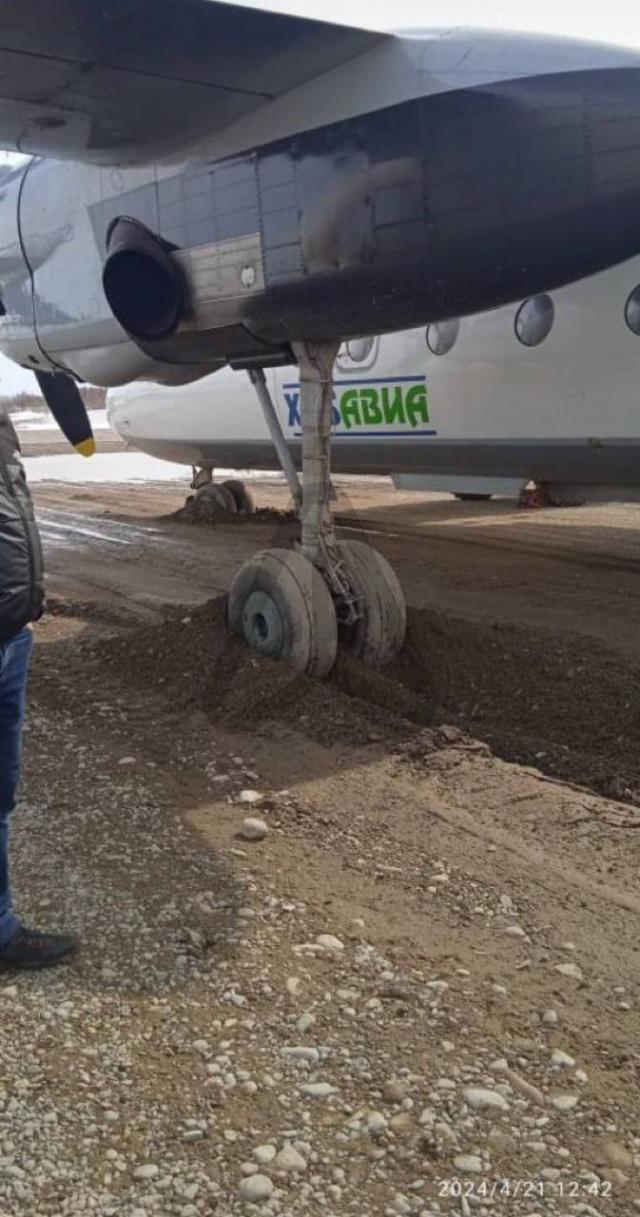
[(202, 666), (558, 702), (208, 510)]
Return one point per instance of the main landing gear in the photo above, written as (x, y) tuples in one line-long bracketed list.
[(291, 604), (231, 496)]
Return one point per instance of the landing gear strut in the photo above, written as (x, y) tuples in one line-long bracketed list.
[(290, 604)]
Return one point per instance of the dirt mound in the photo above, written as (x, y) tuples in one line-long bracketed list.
[(445, 738), (561, 703), (207, 510), (200, 510), (199, 664)]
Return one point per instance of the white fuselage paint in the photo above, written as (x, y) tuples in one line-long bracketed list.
[(567, 409)]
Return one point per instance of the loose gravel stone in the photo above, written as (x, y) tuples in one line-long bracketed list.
[(253, 830), (289, 1160), (255, 1188), (480, 1099), (329, 942), (264, 1154), (192, 1134), (318, 1090), (305, 1022), (468, 1163), (569, 969), (524, 1087), (394, 1091), (148, 1171), (302, 1053), (565, 1102), (562, 1059)]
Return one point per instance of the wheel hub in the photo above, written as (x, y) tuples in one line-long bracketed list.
[(262, 624)]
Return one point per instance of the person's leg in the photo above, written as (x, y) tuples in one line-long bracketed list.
[(14, 668), (19, 947)]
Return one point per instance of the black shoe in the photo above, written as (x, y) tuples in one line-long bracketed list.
[(33, 949)]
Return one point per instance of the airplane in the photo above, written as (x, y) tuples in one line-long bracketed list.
[(545, 390), (216, 185)]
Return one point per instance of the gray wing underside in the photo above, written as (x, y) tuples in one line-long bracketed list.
[(120, 81)]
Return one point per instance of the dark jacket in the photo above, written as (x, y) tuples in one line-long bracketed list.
[(21, 573)]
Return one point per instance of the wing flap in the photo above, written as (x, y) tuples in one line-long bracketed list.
[(127, 80)]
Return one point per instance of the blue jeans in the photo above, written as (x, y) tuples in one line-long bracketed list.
[(14, 668)]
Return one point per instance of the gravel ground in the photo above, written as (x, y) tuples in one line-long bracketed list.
[(333, 962)]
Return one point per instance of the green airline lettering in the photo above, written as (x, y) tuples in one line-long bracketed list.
[(417, 408), (393, 406), (371, 412), (350, 409)]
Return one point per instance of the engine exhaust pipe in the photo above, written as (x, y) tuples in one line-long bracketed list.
[(141, 281)]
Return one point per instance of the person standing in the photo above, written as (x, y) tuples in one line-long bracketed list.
[(21, 602)]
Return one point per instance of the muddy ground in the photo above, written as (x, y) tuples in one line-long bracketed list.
[(522, 624), (463, 828)]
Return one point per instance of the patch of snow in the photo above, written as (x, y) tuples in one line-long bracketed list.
[(42, 420), (104, 467), (107, 467)]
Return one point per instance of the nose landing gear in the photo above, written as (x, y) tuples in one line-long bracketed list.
[(290, 604)]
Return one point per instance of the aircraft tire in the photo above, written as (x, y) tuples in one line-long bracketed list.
[(378, 635), (218, 494), (243, 498), (280, 604)]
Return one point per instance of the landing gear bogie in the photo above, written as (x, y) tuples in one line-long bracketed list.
[(215, 501), (289, 604)]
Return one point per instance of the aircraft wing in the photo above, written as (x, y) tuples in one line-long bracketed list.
[(120, 81)]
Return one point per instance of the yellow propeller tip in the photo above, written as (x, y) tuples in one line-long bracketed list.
[(86, 447)]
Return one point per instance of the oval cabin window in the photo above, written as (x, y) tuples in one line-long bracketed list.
[(359, 349), (441, 336), (534, 320), (632, 311), (357, 353)]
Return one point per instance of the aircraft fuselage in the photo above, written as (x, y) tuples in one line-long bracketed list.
[(478, 398)]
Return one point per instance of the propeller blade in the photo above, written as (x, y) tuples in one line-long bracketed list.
[(63, 398)]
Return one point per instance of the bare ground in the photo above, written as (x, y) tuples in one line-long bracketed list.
[(465, 825)]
